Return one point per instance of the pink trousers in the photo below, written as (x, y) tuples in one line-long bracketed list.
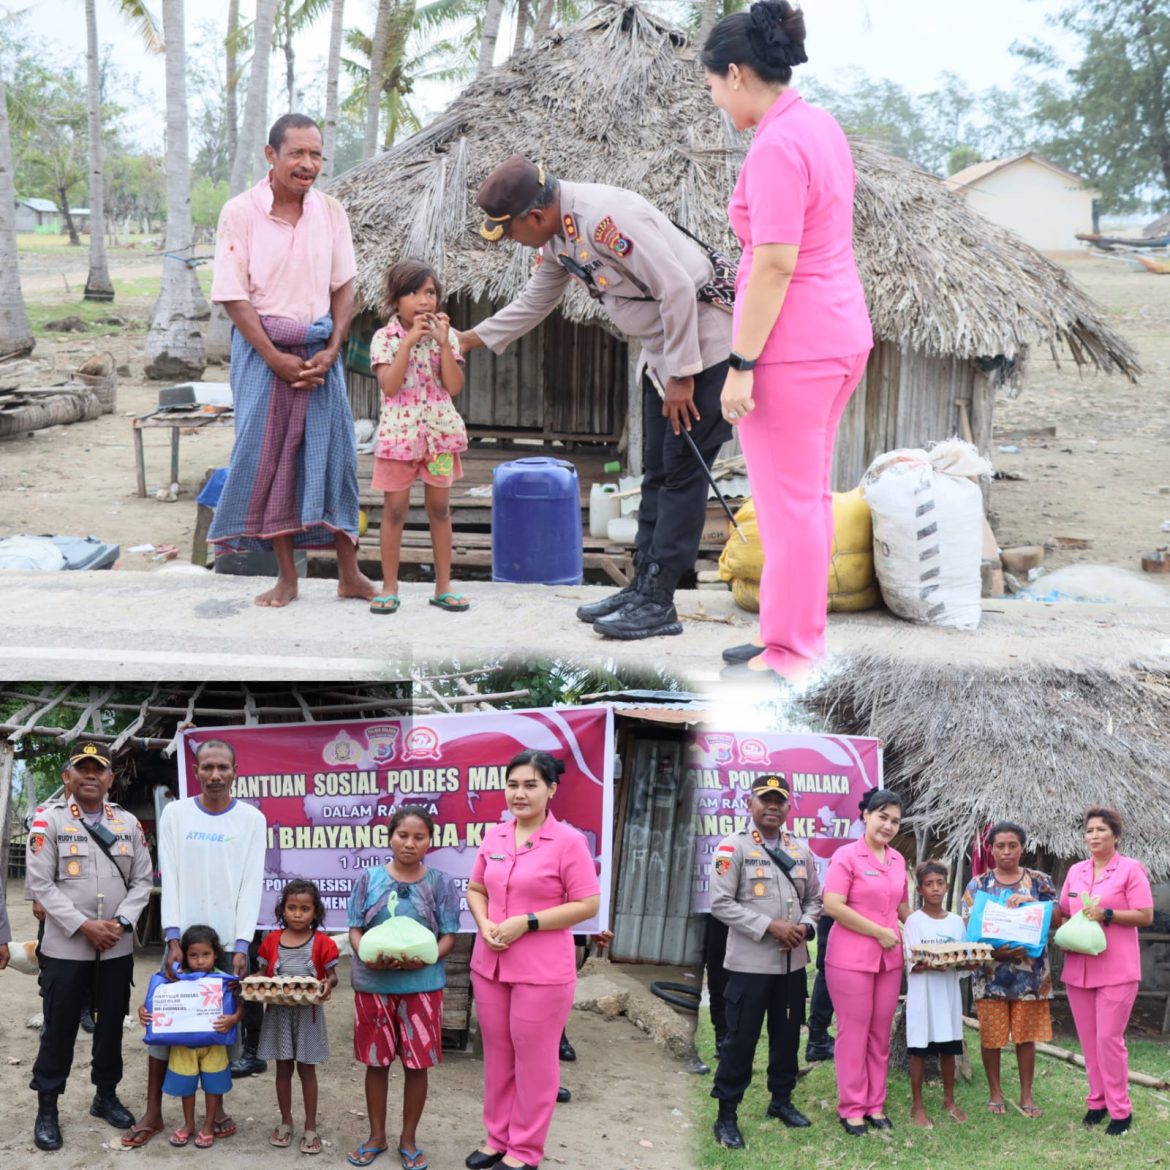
[(1101, 1014), (521, 1027), (788, 443), (864, 1003)]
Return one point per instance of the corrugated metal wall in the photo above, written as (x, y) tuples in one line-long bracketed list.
[(652, 918)]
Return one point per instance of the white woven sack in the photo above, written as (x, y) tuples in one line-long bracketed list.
[(927, 532)]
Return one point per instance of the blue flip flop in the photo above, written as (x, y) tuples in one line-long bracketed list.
[(365, 1155), (408, 1159), (451, 602), (385, 603)]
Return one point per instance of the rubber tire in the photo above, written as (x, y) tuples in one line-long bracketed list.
[(678, 994)]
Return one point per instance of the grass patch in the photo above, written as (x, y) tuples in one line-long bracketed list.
[(1056, 1140), (134, 299)]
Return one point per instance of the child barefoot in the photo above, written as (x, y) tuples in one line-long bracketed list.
[(934, 1009), (188, 1067), (420, 433), (295, 1034), (398, 1004)]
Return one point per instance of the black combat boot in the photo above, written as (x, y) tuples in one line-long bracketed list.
[(47, 1127), (87, 1023), (106, 1104), (651, 614), (615, 601), (249, 1064), (820, 1047), (726, 1128)]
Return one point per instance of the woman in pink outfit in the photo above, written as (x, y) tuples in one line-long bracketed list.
[(865, 894), (1102, 988), (801, 333), (533, 880)]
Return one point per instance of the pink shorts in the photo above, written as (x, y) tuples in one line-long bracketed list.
[(409, 1026), (396, 475)]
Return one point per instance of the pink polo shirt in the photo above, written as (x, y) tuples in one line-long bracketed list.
[(874, 889), (796, 187), (1123, 886), (282, 270), (553, 868)]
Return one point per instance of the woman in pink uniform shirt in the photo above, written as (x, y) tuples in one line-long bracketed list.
[(801, 333), (865, 894), (1102, 988), (533, 880)]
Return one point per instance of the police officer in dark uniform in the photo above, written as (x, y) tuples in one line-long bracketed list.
[(89, 867), (659, 287), (765, 887)]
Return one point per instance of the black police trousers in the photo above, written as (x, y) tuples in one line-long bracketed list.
[(673, 509), (820, 1006), (68, 985), (714, 948), (750, 1000)]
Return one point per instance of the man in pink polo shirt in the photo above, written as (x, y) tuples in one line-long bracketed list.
[(284, 269)]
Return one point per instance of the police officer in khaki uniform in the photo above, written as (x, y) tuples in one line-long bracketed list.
[(658, 287), (90, 869), (765, 887)]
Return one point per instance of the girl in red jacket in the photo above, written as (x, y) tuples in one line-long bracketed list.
[(295, 1034)]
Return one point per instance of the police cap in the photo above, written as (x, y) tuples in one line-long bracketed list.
[(510, 190), (88, 750), (775, 784)]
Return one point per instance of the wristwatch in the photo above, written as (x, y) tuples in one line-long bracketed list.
[(810, 931), (1108, 917), (533, 922), (124, 923), (738, 362)]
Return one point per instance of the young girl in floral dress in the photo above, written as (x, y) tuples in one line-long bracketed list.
[(420, 433)]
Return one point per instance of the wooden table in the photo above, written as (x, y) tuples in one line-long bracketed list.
[(176, 421)]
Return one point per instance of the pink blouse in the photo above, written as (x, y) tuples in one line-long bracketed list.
[(1123, 886), (796, 187), (873, 888), (553, 868), (420, 421)]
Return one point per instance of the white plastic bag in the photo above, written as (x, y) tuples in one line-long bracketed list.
[(928, 532), (30, 552)]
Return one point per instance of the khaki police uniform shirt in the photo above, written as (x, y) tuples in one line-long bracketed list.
[(749, 890), (632, 251), (66, 869)]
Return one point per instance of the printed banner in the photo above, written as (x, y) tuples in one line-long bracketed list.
[(826, 774), (327, 790)]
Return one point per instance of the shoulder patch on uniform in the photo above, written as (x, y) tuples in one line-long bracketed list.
[(608, 236), (725, 847), (722, 865), (36, 842), (570, 227)]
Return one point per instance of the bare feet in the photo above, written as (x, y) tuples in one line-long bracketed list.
[(358, 586), (954, 1111), (279, 595), (918, 1116)]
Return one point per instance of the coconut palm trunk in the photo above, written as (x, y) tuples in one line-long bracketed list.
[(708, 16), (232, 83), (491, 34), (15, 335), (174, 345), (336, 33), (98, 285), (522, 19), (544, 20), (377, 74)]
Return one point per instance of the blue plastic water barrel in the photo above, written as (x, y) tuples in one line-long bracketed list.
[(536, 523)]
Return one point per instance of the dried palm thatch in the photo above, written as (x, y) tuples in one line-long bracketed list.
[(619, 98), (1037, 744)]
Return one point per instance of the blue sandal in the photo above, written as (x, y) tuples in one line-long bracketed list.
[(365, 1155), (451, 602), (385, 603), (410, 1161)]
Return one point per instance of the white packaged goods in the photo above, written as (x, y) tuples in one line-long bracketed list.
[(928, 532)]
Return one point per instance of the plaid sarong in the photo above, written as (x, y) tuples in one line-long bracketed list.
[(293, 468)]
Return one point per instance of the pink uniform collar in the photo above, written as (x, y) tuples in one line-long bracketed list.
[(784, 102)]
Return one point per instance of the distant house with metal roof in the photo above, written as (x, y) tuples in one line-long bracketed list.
[(36, 213), (1041, 201)]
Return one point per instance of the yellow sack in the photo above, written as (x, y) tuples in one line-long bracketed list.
[(852, 585)]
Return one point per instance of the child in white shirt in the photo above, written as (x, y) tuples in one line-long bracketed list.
[(934, 1010)]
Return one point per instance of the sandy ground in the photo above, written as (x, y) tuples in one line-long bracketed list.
[(629, 1111)]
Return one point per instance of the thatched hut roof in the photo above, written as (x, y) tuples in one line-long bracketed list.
[(619, 98), (1036, 743)]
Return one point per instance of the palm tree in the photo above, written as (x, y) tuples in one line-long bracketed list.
[(709, 13), (491, 34), (174, 344), (256, 105), (98, 285), (336, 33), (377, 73), (15, 335), (232, 82)]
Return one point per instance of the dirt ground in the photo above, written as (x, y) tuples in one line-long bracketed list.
[(630, 1108), (1097, 479)]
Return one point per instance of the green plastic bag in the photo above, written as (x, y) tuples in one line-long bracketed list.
[(1079, 933), (398, 938)]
